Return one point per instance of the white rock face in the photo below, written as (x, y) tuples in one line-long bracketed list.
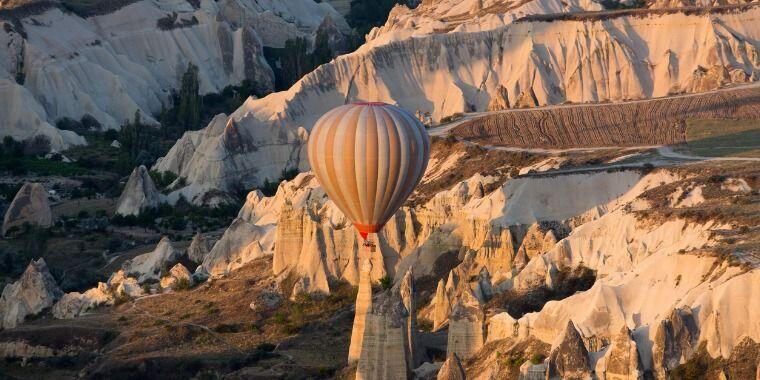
[(139, 193), (74, 304), (236, 153), (615, 59), (111, 65), (177, 273), (451, 369), (466, 327), (453, 16), (621, 360), (384, 352), (315, 240), (29, 206), (35, 291), (148, 266), (198, 248)]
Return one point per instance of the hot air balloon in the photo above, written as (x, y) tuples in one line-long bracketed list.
[(368, 157)]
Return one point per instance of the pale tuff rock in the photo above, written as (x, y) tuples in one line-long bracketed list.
[(176, 274), (444, 75), (363, 305), (499, 100), (120, 284), (336, 40), (737, 185), (315, 240), (233, 153), (466, 327), (74, 304), (111, 65), (457, 286), (198, 248), (569, 357), (451, 369), (408, 295), (674, 341), (35, 291), (441, 306), (148, 266), (139, 193), (129, 288), (502, 326), (484, 288), (451, 16), (29, 206), (384, 351), (538, 240), (621, 361)]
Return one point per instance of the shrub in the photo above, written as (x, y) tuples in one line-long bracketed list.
[(38, 145), (386, 282), (90, 123), (181, 284), (121, 298)]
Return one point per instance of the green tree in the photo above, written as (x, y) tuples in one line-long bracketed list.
[(296, 60), (189, 109), (322, 52)]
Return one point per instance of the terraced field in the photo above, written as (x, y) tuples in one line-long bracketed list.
[(721, 138), (649, 122)]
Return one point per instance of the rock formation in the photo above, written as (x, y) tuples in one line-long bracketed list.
[(621, 361), (408, 295), (176, 274), (499, 100), (74, 304), (451, 369), (29, 206), (441, 306), (35, 291), (148, 266), (363, 306), (502, 326), (466, 327), (538, 240), (674, 341), (569, 358), (139, 193), (540, 72), (384, 350), (198, 248), (123, 57)]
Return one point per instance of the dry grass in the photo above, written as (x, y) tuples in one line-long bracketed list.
[(212, 328), (722, 138)]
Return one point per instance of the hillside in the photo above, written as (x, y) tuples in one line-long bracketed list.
[(441, 76)]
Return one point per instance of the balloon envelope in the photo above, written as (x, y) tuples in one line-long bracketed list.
[(368, 157)]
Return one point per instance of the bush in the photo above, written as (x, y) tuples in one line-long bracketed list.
[(181, 284), (386, 282), (90, 123), (38, 145)]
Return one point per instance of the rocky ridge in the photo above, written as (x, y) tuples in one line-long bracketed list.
[(465, 71), (60, 63)]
